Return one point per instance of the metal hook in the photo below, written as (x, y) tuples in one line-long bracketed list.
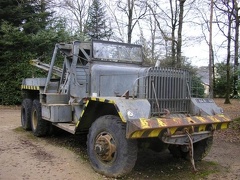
[(191, 150)]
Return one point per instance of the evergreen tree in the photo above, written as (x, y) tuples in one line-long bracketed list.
[(221, 80), (29, 15), (27, 31), (97, 26), (36, 16)]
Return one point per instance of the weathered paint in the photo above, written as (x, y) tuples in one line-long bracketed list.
[(122, 105), (30, 87), (144, 128)]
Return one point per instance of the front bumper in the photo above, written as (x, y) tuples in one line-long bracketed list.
[(171, 129)]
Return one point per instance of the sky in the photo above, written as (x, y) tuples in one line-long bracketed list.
[(195, 50), (198, 54)]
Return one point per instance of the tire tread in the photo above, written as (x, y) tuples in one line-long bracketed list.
[(130, 150)]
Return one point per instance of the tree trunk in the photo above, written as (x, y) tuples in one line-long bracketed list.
[(236, 46), (210, 53), (227, 97), (179, 41), (173, 53), (130, 19), (173, 23)]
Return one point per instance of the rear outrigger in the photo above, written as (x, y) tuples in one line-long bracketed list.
[(102, 89)]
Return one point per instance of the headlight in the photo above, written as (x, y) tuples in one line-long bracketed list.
[(130, 114)]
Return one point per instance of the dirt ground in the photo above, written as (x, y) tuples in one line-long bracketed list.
[(23, 156)]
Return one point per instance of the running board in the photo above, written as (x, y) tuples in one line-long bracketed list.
[(69, 127)]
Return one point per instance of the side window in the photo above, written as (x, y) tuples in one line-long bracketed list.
[(82, 58)]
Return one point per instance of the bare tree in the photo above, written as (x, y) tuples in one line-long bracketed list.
[(179, 39), (157, 45), (170, 19), (78, 10), (236, 46), (211, 59), (128, 9), (153, 27), (173, 29), (116, 24), (164, 33), (226, 9)]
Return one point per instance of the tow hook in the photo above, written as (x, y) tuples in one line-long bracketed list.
[(191, 150)]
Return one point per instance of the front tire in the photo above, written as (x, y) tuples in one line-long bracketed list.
[(109, 151), (26, 111), (40, 127), (201, 149)]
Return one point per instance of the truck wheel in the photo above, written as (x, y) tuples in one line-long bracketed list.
[(201, 149), (39, 126), (26, 110), (109, 151)]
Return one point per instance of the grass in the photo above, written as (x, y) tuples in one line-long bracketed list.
[(75, 143), (163, 166), (19, 129), (27, 133)]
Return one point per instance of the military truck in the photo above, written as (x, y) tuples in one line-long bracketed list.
[(102, 88)]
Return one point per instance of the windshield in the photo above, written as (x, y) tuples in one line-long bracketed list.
[(117, 51)]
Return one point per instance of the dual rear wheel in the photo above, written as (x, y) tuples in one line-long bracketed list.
[(26, 111), (31, 118)]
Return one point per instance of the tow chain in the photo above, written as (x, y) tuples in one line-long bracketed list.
[(191, 150)]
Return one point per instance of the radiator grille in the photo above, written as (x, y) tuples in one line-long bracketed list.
[(167, 88)]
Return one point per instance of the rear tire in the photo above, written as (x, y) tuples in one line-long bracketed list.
[(40, 127), (109, 151), (26, 111)]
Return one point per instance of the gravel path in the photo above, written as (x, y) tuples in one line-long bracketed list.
[(23, 156)]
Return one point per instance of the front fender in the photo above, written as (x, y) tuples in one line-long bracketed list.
[(133, 108), (128, 109)]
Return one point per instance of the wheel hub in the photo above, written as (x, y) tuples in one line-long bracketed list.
[(105, 147)]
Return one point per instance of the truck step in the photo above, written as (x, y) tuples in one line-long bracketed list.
[(69, 127)]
